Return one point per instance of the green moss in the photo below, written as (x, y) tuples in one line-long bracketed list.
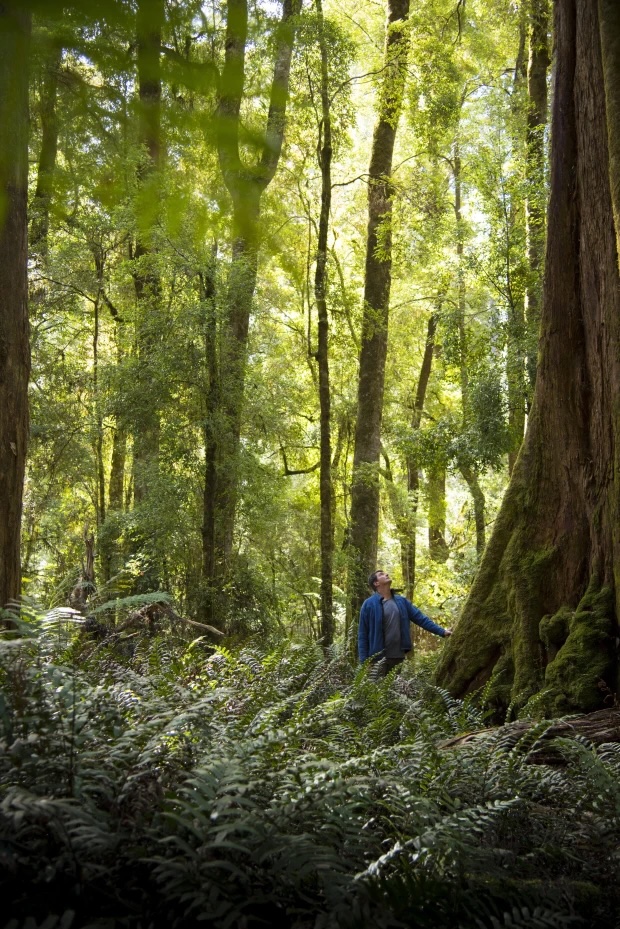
[(553, 630), (527, 573), (587, 655)]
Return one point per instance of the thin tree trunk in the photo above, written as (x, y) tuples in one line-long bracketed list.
[(245, 185), (146, 278), (320, 280), (437, 546), (409, 527), (43, 194), (377, 280), (466, 469), (543, 609), (207, 296), (535, 204), (14, 344)]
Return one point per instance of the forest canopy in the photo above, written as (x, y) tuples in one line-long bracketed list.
[(199, 184)]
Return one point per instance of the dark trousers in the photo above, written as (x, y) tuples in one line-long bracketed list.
[(383, 666)]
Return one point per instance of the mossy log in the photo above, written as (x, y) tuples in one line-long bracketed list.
[(542, 612), (599, 728)]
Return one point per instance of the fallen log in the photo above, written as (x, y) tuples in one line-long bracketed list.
[(599, 727)]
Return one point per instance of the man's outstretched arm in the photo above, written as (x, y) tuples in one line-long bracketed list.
[(421, 619)]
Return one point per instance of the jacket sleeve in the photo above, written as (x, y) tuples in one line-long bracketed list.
[(421, 619), (363, 646)]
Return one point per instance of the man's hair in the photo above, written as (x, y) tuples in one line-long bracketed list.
[(371, 580)]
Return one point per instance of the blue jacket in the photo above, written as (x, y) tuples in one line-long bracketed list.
[(370, 632)]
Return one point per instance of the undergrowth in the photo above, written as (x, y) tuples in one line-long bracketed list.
[(177, 785)]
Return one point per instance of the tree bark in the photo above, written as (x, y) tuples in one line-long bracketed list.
[(245, 185), (42, 200), (14, 338), (542, 612), (322, 354), (377, 281), (538, 66)]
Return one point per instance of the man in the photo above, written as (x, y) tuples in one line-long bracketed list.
[(384, 633)]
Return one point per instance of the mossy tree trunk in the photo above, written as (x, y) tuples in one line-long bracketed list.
[(14, 342), (377, 281), (542, 611)]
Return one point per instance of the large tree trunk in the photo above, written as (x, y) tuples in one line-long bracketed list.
[(14, 341), (542, 612), (245, 185), (377, 280), (322, 354)]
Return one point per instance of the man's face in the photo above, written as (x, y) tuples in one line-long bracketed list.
[(382, 578)]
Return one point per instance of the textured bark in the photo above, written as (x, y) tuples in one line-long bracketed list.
[(146, 279), (610, 41), (538, 65), (322, 354), (543, 608), (599, 728), (245, 185), (47, 155), (377, 281), (14, 343)]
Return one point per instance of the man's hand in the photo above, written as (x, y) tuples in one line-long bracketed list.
[(446, 633)]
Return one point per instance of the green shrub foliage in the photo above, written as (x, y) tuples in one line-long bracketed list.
[(179, 785)]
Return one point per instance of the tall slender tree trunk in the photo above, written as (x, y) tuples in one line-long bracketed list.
[(468, 471), (543, 609), (377, 280), (409, 528), (538, 66), (246, 185), (43, 194), (207, 296), (322, 355), (14, 342), (150, 19)]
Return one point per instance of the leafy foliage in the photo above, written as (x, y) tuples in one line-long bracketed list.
[(186, 783)]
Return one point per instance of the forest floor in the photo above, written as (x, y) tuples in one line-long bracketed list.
[(172, 784)]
